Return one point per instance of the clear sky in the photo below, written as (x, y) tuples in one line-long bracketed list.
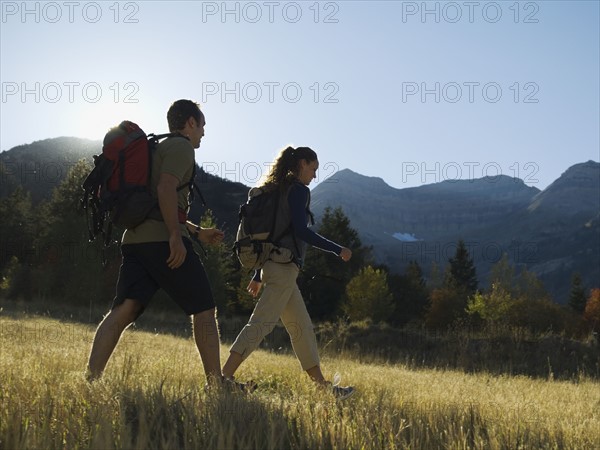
[(412, 92)]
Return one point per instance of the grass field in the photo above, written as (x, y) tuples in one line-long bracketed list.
[(152, 396)]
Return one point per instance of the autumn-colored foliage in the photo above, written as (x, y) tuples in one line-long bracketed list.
[(591, 314)]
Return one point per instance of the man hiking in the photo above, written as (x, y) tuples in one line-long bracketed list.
[(158, 253)]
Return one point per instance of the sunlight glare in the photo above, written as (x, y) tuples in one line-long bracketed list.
[(94, 120)]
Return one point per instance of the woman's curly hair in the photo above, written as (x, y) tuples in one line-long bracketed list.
[(285, 169)]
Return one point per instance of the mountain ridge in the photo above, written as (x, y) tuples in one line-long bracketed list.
[(40, 167), (553, 232), (406, 210)]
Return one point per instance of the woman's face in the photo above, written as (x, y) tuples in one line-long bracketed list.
[(308, 171)]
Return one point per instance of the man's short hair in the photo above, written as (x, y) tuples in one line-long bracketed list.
[(180, 111)]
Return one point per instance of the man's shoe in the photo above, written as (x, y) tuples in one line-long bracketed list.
[(90, 377), (231, 385), (248, 387)]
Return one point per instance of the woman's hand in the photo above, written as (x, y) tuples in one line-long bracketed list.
[(254, 287), (346, 254)]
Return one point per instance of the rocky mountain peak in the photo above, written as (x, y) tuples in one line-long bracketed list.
[(576, 190)]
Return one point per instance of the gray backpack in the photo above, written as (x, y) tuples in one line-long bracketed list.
[(260, 230)]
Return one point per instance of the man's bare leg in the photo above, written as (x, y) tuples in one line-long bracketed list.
[(108, 334), (206, 336)]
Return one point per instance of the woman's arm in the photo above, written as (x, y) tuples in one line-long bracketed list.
[(297, 200)]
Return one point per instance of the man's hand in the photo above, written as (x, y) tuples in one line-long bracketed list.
[(211, 236), (178, 251), (254, 287), (167, 200)]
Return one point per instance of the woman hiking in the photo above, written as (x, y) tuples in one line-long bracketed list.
[(291, 173)]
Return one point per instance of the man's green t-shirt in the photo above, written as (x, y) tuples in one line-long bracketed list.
[(174, 156)]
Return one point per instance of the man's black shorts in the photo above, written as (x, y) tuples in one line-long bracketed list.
[(144, 270)]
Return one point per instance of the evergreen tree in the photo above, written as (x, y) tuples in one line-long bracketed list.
[(16, 227), (14, 279), (417, 290), (69, 266), (461, 273), (219, 270), (17, 251), (436, 276), (449, 303), (325, 275), (410, 294), (577, 299), (8, 182)]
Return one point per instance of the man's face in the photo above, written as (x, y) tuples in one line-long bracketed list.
[(196, 130)]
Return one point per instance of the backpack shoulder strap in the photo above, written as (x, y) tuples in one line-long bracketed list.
[(193, 187), (158, 137)]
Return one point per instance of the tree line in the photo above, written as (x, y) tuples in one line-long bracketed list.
[(46, 255)]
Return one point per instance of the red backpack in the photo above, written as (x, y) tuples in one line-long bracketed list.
[(117, 190)]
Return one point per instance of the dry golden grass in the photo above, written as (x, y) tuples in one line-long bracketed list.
[(152, 396)]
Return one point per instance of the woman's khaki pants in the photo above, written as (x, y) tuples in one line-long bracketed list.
[(281, 298)]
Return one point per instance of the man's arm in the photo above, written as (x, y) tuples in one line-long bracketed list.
[(211, 236), (167, 201)]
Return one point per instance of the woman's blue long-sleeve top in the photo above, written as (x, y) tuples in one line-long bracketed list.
[(298, 199)]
